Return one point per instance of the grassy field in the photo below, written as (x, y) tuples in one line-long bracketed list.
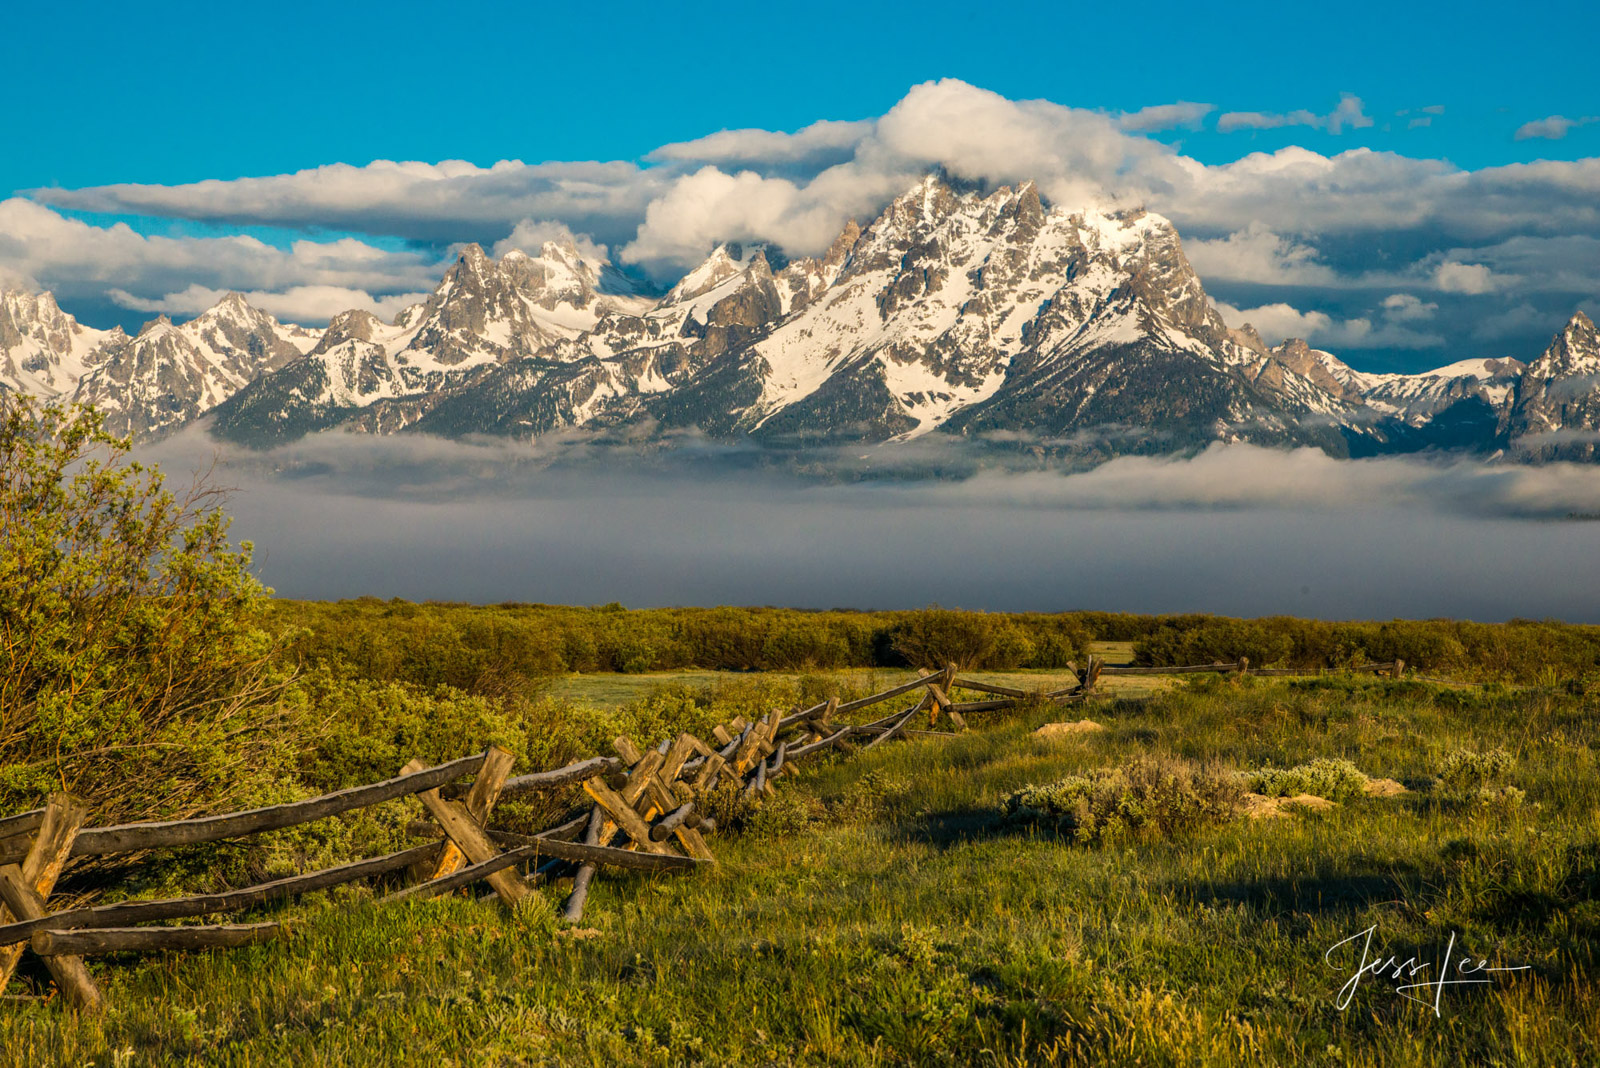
[(613, 689), (880, 911)]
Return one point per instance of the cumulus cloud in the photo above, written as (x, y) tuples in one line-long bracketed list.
[(1349, 115), (1407, 307), (709, 206), (158, 273), (1551, 128), (530, 235), (1184, 113), (1471, 278), (1256, 254), (1341, 231), (310, 305), (1279, 321)]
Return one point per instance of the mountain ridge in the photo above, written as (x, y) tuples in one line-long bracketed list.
[(989, 315)]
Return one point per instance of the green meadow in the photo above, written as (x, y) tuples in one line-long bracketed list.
[(884, 909)]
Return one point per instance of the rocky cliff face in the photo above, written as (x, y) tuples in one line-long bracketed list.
[(990, 315), (162, 378), (1554, 408)]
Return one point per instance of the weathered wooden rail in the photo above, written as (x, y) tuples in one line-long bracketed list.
[(642, 815)]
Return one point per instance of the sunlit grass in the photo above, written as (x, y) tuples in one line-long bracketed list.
[(914, 926)]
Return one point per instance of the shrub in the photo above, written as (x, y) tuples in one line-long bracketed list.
[(869, 797), (934, 637), (1336, 780), (787, 813), (727, 805), (1467, 773), (1149, 798), (133, 669)]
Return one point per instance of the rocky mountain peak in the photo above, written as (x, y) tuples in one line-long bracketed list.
[(355, 324), (957, 309), (1575, 350), (842, 245)]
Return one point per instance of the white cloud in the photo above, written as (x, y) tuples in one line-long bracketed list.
[(311, 305), (1469, 278), (708, 206), (1278, 322), (155, 272), (1336, 232), (1407, 307), (1256, 254), (1184, 113), (1551, 128), (734, 147), (530, 235), (1349, 115)]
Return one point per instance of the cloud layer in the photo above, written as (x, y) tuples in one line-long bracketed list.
[(1498, 250), (1237, 530)]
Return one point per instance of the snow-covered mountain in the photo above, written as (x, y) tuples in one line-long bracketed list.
[(161, 378), (989, 315), (484, 314), (1553, 412)]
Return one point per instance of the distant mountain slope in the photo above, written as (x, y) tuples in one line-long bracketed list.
[(985, 315), (160, 379)]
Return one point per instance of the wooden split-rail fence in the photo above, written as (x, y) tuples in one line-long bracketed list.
[(642, 816)]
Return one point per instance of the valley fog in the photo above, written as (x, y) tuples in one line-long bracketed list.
[(1237, 531)]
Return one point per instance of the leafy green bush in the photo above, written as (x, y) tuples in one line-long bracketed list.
[(869, 797), (1336, 780), (932, 638), (134, 670), (1148, 798), (784, 814), (1467, 773)]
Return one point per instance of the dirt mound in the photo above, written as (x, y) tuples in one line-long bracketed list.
[(1052, 731), (1262, 807), (1384, 788)]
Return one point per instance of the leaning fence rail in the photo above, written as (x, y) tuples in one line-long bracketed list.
[(640, 814)]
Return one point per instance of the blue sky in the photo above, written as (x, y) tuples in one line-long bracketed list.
[(185, 93)]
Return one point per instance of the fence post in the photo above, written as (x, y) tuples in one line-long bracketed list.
[(41, 867), (480, 801), (464, 832), (69, 971), (1091, 673)]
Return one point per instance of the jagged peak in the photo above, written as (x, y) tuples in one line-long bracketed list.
[(41, 303), (725, 261), (1574, 348), (160, 324), (355, 323), (233, 305)]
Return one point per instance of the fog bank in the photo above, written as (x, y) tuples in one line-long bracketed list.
[(1237, 530)]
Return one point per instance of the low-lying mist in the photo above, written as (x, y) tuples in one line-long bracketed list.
[(1237, 530)]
